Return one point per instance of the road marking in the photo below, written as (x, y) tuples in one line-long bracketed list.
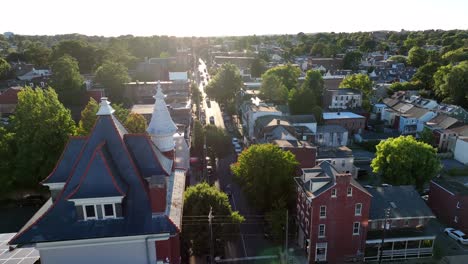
[(247, 258)]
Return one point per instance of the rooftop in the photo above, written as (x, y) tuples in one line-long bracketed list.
[(452, 185), (340, 115), (330, 153), (331, 129)]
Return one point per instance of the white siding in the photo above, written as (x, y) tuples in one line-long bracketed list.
[(461, 151)]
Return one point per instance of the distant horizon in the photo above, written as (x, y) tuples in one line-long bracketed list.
[(211, 18)]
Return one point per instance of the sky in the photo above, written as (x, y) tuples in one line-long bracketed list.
[(224, 18)]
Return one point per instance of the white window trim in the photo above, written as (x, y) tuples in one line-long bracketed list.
[(333, 195), (85, 216), (100, 200), (458, 205), (324, 231), (104, 212), (360, 209), (320, 211), (455, 219), (323, 245), (349, 192), (358, 228)]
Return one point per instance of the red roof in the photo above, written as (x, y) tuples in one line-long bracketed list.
[(10, 96)]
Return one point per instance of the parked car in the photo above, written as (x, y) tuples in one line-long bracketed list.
[(458, 235), (237, 148), (235, 141), (212, 120)]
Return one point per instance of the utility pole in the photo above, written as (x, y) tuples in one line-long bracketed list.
[(286, 238), (210, 217), (387, 215)]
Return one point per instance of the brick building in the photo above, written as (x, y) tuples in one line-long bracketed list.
[(354, 123), (332, 214)]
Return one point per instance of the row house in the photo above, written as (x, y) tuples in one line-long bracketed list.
[(441, 127), (405, 117), (116, 197), (331, 136), (304, 152), (354, 123), (341, 158), (448, 199), (406, 219), (332, 214), (343, 98), (252, 110)]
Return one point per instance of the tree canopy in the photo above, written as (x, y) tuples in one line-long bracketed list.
[(257, 67), (4, 68), (265, 172), (417, 56), (301, 101), (81, 50), (216, 141), (424, 75), (88, 117), (360, 81), (314, 82), (351, 60), (38, 54), (273, 90), (288, 74), (113, 76), (41, 126), (198, 200), (450, 83), (136, 123), (404, 160), (67, 81), (225, 85)]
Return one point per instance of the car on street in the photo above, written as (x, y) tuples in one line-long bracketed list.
[(237, 148), (458, 235), (235, 141)]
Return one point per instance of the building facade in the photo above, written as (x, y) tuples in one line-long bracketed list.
[(354, 123)]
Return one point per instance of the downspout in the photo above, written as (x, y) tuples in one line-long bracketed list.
[(153, 237)]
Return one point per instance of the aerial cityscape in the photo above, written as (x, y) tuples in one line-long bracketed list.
[(202, 135)]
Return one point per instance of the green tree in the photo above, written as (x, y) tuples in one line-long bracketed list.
[(314, 82), (404, 160), (273, 90), (7, 164), (225, 85), (399, 59), (198, 201), (451, 82), (81, 50), (299, 101), (164, 55), (360, 81), (317, 111), (113, 77), (426, 136), (265, 173), (198, 138), (41, 125), (67, 81), (121, 113), (216, 141), (88, 117), (257, 67), (4, 69), (288, 75), (424, 75), (417, 56), (37, 54), (196, 95), (457, 55), (136, 123), (351, 60)]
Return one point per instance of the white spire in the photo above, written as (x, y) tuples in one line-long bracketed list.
[(104, 107), (161, 128)]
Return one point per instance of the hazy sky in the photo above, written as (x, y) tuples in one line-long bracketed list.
[(221, 17)]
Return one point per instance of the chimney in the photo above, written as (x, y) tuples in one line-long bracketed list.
[(158, 192), (278, 122)]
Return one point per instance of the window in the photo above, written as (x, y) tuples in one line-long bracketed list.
[(350, 191), (458, 205), (358, 209), (108, 211), (321, 232), (323, 211), (356, 227), (307, 224), (333, 193), (373, 224), (89, 212), (455, 219)]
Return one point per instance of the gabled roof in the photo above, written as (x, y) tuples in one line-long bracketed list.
[(10, 96), (416, 112), (101, 178), (58, 222), (443, 121), (404, 202)]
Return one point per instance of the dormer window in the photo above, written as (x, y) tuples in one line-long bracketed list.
[(89, 212), (98, 208), (108, 211)]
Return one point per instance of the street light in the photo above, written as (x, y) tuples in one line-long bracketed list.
[(385, 227)]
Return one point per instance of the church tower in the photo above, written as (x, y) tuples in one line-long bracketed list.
[(162, 128)]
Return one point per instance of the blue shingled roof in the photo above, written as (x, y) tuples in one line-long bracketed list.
[(141, 148), (68, 158), (59, 222)]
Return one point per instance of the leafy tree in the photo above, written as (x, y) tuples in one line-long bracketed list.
[(426, 136), (273, 90), (404, 160), (67, 81), (41, 125), (317, 111), (314, 82), (424, 75), (276, 219), (451, 82), (265, 172), (7, 164), (164, 55), (4, 69), (301, 100), (121, 113), (403, 86), (198, 138), (360, 81), (78, 49), (288, 75), (216, 141), (258, 67), (368, 45), (351, 60), (38, 54), (318, 49), (225, 85), (88, 117), (136, 123), (196, 95), (417, 56), (198, 200), (399, 59), (457, 55), (113, 77)]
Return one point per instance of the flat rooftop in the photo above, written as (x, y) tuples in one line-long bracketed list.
[(340, 115)]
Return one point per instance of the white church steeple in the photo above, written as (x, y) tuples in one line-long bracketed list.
[(161, 128)]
